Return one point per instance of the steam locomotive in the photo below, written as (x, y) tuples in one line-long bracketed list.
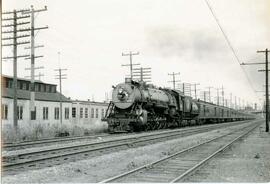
[(137, 106)]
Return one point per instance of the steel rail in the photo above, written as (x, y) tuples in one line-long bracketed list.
[(135, 137), (150, 165), (11, 166), (31, 144), (211, 156), (127, 141)]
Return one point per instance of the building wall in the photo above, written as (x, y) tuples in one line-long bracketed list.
[(83, 108), (79, 120), (39, 112)]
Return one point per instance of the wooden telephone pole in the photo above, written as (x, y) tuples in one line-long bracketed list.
[(195, 89), (266, 51), (130, 54), (32, 30), (173, 76), (14, 36), (60, 76)]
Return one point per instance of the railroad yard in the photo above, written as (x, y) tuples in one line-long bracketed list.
[(136, 162), (192, 110)]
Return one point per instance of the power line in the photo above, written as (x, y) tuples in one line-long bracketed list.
[(230, 45)]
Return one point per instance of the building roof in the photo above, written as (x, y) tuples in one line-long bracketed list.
[(42, 96), (90, 102), (23, 79)]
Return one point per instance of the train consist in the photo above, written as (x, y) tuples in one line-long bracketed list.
[(137, 106)]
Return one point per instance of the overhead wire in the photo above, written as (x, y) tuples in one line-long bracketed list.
[(230, 45)]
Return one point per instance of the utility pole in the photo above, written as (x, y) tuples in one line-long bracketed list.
[(142, 74), (231, 100), (204, 96), (222, 95), (266, 51), (174, 81), (32, 12), (235, 103), (266, 89), (60, 76), (15, 43), (195, 89), (209, 91), (130, 54), (218, 95)]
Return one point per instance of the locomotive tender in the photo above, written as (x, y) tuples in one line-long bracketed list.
[(137, 106)]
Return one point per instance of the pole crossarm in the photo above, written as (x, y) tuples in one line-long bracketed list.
[(37, 46), (130, 54), (34, 57), (12, 57), (11, 38), (22, 17), (34, 11), (18, 43), (18, 11), (35, 68), (263, 70)]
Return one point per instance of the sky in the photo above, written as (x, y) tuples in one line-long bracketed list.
[(171, 36)]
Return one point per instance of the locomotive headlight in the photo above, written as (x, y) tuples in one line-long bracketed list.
[(122, 94)]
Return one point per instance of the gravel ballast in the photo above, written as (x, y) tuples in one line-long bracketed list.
[(247, 160), (102, 167)]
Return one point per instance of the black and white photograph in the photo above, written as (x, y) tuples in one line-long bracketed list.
[(135, 91)]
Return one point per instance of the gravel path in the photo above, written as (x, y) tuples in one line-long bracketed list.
[(102, 167), (246, 161)]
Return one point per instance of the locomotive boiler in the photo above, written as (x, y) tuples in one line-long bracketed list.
[(138, 106)]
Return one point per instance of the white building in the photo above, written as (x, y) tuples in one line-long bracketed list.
[(85, 112), (47, 105)]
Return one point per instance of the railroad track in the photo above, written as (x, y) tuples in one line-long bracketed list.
[(178, 166), (49, 157), (53, 141), (47, 142)]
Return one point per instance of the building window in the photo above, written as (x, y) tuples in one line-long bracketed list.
[(56, 113), (10, 83), (96, 113), (67, 113), (102, 113), (74, 112), (42, 88), (36, 87), (45, 112), (20, 112), (81, 112), (33, 114), (53, 89), (47, 88), (92, 113), (86, 112), (39, 87), (6, 84), (24, 86), (18, 84), (4, 111), (21, 84)]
